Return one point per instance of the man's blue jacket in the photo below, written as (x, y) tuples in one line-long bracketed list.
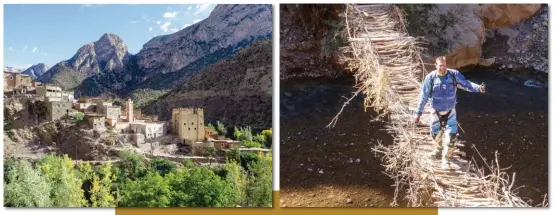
[(443, 96)]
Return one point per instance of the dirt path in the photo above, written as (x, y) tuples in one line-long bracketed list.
[(321, 167)]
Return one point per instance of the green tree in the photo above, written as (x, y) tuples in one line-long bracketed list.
[(131, 166), (221, 128), (211, 126), (101, 189), (25, 186), (247, 133), (238, 134), (268, 134), (233, 155), (247, 158), (78, 116), (210, 152), (199, 187), (151, 190), (162, 165), (237, 178), (260, 182), (260, 138), (251, 144), (66, 185), (85, 172)]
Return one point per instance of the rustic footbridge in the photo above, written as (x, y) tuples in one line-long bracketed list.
[(388, 69)]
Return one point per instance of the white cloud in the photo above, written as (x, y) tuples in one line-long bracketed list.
[(151, 29), (186, 25), (174, 29), (133, 22), (44, 53), (189, 8), (164, 27), (158, 22), (169, 15), (25, 48), (11, 48), (201, 8), (34, 49), (195, 21)]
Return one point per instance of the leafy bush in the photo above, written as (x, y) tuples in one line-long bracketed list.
[(152, 190), (25, 186), (268, 134), (237, 134), (78, 116), (247, 158), (63, 178), (260, 183), (244, 133), (251, 144), (199, 187), (131, 166), (162, 166), (221, 129), (260, 138), (233, 155), (210, 126)]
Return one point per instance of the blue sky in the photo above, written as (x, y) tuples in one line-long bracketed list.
[(52, 33)]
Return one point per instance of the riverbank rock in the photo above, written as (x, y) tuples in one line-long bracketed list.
[(454, 30), (524, 44), (504, 15)]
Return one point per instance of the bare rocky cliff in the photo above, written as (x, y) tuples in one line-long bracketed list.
[(236, 91), (107, 54), (35, 71), (167, 61), (226, 26)]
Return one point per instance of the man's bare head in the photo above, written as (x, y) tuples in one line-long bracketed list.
[(441, 64)]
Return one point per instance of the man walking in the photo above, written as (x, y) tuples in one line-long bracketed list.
[(441, 86)]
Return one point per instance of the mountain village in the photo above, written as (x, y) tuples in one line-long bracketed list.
[(187, 128)]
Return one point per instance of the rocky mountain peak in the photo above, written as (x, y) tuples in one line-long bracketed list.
[(35, 71), (226, 26), (106, 54)]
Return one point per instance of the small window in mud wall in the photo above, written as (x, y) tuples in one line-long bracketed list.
[(189, 129), (192, 123), (11, 78), (195, 129)]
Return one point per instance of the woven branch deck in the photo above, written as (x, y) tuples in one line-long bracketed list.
[(387, 67)]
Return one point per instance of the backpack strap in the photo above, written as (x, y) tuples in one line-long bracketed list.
[(454, 81)]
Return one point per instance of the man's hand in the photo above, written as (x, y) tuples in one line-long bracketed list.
[(482, 88), (417, 119)]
